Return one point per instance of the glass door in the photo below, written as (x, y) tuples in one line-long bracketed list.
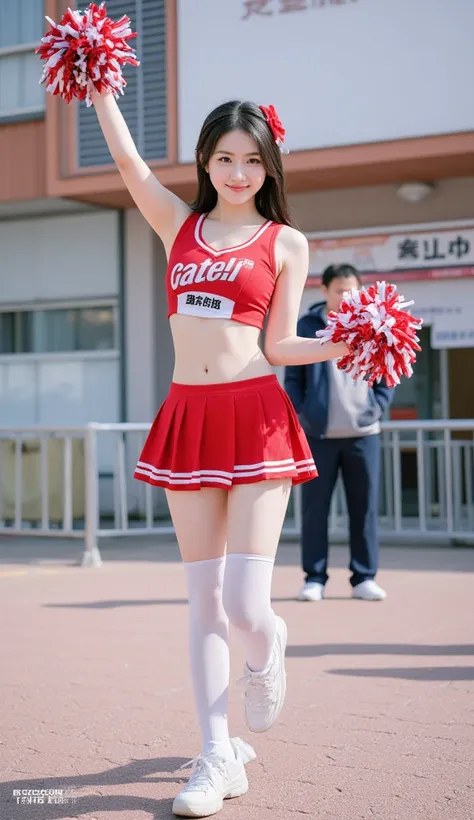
[(420, 396)]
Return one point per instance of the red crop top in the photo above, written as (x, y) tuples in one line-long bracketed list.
[(234, 283)]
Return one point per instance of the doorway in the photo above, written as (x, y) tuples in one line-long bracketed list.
[(421, 396)]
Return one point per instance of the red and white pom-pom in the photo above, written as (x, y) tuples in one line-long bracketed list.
[(86, 51), (380, 333)]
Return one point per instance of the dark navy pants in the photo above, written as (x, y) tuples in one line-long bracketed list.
[(358, 459)]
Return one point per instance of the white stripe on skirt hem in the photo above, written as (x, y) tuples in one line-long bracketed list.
[(223, 477)]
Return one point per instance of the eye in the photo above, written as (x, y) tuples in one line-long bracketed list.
[(255, 160), (224, 159)]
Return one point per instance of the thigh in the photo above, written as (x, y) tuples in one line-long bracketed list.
[(199, 520), (255, 516)]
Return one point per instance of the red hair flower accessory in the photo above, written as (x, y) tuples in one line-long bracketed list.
[(275, 125)]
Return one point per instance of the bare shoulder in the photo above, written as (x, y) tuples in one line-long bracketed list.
[(291, 249), (292, 241)]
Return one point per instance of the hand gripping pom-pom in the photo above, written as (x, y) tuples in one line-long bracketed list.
[(84, 52), (380, 333)]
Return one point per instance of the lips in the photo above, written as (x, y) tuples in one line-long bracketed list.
[(238, 187)]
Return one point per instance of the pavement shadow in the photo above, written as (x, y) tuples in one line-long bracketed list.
[(112, 604), (119, 603), (420, 650), (137, 771), (440, 673)]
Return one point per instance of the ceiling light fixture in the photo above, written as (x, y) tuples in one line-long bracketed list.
[(415, 191)]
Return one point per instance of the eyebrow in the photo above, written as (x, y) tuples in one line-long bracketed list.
[(251, 154)]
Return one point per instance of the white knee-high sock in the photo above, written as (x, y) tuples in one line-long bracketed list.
[(247, 602), (209, 653)]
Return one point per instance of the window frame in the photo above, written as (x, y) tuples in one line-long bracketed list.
[(18, 114), (72, 305)]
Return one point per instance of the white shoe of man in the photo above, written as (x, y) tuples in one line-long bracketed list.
[(265, 691), (368, 591), (312, 591), (213, 779)]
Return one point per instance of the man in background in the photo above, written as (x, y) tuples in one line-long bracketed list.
[(341, 417)]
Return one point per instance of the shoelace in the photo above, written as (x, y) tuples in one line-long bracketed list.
[(206, 772), (260, 688)]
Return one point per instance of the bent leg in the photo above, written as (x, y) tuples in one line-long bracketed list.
[(199, 519), (255, 518)]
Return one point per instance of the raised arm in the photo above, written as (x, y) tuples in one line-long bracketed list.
[(161, 208), (282, 345)]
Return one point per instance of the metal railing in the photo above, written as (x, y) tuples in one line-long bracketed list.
[(427, 480), (78, 482)]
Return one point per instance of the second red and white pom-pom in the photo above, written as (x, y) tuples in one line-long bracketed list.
[(86, 51), (379, 331)]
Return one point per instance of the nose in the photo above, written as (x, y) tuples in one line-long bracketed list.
[(238, 172)]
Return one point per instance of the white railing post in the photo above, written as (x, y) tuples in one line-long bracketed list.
[(397, 482), (420, 469), (18, 482), (67, 499), (44, 441), (91, 556), (448, 467)]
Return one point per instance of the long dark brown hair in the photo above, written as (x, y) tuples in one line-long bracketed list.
[(270, 201)]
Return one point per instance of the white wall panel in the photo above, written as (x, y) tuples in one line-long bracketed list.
[(18, 393), (55, 258), (62, 390), (341, 73), (78, 391)]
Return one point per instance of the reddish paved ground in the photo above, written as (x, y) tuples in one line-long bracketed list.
[(379, 718)]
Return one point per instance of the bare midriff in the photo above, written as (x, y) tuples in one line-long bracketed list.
[(216, 351)]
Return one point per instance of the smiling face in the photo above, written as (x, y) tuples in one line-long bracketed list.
[(235, 168)]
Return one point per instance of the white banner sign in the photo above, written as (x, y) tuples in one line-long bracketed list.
[(339, 72), (447, 309), (408, 255), (453, 327)]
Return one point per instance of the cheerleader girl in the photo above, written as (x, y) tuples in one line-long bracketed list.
[(226, 444)]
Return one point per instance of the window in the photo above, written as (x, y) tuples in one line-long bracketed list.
[(144, 104), (21, 28), (58, 331)]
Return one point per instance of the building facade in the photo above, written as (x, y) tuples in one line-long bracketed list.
[(370, 110)]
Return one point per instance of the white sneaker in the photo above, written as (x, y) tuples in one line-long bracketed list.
[(243, 750), (368, 591), (312, 591), (213, 780), (265, 691)]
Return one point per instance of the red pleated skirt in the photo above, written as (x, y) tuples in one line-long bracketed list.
[(219, 435)]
